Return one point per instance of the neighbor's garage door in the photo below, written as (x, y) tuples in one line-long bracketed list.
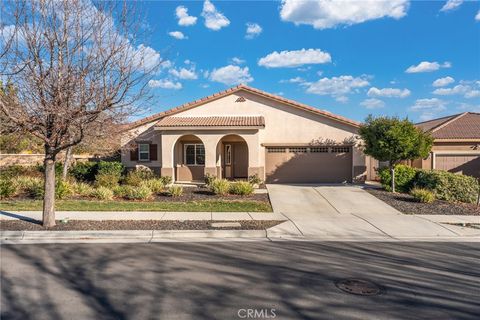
[(308, 165), (464, 164)]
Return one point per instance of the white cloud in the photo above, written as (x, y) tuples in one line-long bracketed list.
[(293, 80), (336, 86), (231, 75), (164, 84), (147, 58), (329, 14), (214, 19), (294, 58), (451, 4), (183, 18), (388, 92), (426, 66), (372, 103), (442, 82), (253, 30), (178, 35), (429, 108), (184, 74), (237, 60), (477, 17), (462, 89), (341, 99)]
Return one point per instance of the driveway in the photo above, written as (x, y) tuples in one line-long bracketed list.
[(348, 212)]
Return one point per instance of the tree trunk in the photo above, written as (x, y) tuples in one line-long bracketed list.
[(392, 173), (49, 196), (66, 163)]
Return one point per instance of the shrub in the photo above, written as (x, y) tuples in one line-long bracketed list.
[(220, 186), (106, 180), (156, 185), (35, 188), (110, 167), (137, 193), (242, 188), (25, 182), (166, 180), (84, 171), (102, 193), (63, 189), (83, 189), (17, 171), (208, 179), (175, 191), (404, 178), (135, 177), (58, 168), (449, 186), (7, 188), (255, 179), (422, 195), (120, 191)]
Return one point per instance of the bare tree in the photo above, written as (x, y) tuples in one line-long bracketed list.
[(75, 66)]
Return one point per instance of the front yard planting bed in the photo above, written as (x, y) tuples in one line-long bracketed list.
[(234, 205), (406, 203), (72, 225)]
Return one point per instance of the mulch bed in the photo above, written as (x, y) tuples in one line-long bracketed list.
[(407, 204), (22, 225)]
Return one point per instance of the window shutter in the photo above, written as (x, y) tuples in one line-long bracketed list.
[(134, 154), (153, 152)]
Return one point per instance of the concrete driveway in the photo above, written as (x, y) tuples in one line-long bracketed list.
[(349, 212)]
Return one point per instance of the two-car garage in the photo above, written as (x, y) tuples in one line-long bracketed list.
[(308, 164)]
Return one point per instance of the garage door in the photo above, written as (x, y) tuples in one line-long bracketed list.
[(464, 164), (308, 164)]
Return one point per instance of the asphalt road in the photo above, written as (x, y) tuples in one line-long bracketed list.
[(213, 280)]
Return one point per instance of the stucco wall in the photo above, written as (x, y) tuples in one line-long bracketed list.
[(143, 133)]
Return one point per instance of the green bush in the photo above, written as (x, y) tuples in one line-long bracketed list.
[(423, 195), (25, 182), (17, 171), (111, 167), (243, 188), (175, 191), (208, 179), (137, 193), (220, 186), (156, 185), (83, 189), (35, 188), (254, 179), (84, 171), (102, 193), (63, 189), (448, 186), (135, 177), (120, 191), (166, 180), (58, 168), (7, 188), (404, 178), (106, 180)]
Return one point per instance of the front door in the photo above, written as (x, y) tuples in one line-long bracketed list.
[(235, 164)]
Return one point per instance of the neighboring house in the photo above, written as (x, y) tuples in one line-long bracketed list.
[(456, 146), (244, 131)]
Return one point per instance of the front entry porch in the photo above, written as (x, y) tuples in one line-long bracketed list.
[(232, 153)]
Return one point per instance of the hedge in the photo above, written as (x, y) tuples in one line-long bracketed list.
[(404, 178)]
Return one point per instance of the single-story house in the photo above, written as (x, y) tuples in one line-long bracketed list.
[(242, 132), (456, 146)]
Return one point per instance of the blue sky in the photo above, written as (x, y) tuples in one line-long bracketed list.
[(372, 58)]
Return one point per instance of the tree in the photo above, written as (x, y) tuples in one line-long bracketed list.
[(76, 67), (394, 140)]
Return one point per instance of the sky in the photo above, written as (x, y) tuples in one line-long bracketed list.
[(419, 59)]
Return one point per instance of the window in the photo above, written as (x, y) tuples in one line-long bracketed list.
[(144, 152), (276, 150), (298, 150), (319, 149), (228, 154), (194, 154), (340, 149)]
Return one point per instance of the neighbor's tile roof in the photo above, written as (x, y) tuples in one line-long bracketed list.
[(213, 121), (461, 126), (240, 87)]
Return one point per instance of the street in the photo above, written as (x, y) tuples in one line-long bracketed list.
[(239, 280)]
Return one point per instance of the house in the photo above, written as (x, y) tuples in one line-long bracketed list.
[(242, 132), (456, 146)]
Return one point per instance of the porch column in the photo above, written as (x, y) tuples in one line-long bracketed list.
[(210, 144), (168, 142), (255, 165)]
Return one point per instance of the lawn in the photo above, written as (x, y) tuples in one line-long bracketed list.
[(194, 206)]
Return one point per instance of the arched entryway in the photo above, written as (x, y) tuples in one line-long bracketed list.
[(189, 159), (232, 157)]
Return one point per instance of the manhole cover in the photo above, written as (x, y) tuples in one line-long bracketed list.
[(359, 287)]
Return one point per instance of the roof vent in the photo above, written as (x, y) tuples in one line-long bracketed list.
[(240, 99)]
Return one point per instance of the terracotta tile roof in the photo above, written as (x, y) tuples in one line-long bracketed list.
[(240, 87), (457, 127), (214, 121)]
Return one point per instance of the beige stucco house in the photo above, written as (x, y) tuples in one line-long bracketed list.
[(244, 131)]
